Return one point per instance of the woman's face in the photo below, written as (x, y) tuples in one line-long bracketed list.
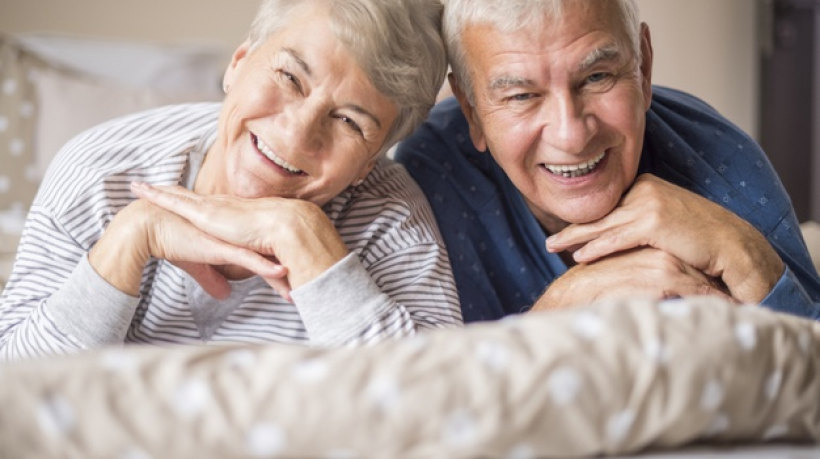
[(300, 118)]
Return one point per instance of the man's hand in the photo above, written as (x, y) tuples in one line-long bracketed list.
[(297, 233), (700, 233), (642, 272)]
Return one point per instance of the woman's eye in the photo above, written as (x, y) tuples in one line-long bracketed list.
[(292, 79), (351, 124)]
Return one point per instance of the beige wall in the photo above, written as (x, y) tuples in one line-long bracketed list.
[(709, 48), (706, 47), (223, 21)]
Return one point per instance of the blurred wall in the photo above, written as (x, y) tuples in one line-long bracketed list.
[(707, 47), (223, 21)]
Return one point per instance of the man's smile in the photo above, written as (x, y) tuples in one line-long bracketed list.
[(575, 170)]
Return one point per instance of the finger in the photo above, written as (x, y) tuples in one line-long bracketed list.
[(615, 240), (248, 259), (208, 278), (173, 199), (282, 287), (579, 234)]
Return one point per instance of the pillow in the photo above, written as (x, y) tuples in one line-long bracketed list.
[(611, 378), (171, 67), (70, 104), (19, 177)]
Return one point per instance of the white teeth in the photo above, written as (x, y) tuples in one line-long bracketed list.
[(277, 160), (576, 170)]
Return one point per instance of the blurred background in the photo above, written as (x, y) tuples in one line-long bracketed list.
[(69, 64)]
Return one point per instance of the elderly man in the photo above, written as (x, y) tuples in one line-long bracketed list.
[(561, 175)]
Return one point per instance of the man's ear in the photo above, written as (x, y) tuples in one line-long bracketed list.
[(476, 133), (237, 59), (646, 64)]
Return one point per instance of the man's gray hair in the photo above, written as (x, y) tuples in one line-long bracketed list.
[(397, 43), (513, 15)]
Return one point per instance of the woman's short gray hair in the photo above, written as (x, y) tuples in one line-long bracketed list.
[(513, 15), (397, 43)]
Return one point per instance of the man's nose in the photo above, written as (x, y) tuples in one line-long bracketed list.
[(568, 127), (301, 127)]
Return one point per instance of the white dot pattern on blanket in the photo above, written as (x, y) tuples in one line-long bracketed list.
[(17, 147), (776, 431), (521, 451), (712, 395), (564, 385), (191, 398), (266, 440), (310, 371), (240, 358), (5, 184), (656, 351), (118, 361), (460, 430), (4, 123), (678, 308), (135, 453), (55, 416), (32, 173), (746, 335), (619, 425), (495, 356), (719, 424), (26, 109), (804, 341), (587, 325), (9, 86), (342, 454), (384, 392), (773, 383)]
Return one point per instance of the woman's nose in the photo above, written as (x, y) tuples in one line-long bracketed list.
[(302, 127)]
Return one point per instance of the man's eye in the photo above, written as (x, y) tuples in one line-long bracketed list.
[(598, 77), (522, 97)]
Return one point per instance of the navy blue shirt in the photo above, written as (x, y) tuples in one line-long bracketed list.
[(497, 247)]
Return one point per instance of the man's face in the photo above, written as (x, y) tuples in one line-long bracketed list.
[(561, 107)]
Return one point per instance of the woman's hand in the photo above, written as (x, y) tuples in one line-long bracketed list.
[(296, 232), (143, 230), (702, 234)]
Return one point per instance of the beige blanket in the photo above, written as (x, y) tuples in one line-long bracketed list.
[(615, 377)]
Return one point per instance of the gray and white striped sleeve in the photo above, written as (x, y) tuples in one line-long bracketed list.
[(54, 302), (401, 281)]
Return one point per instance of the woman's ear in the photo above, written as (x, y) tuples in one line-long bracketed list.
[(237, 59)]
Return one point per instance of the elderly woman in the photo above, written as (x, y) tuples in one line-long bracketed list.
[(271, 217)]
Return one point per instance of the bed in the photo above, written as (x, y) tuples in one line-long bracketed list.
[(613, 378), (677, 379)]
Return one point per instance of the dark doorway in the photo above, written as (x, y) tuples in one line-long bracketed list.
[(790, 109)]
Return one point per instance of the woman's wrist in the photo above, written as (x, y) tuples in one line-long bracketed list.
[(121, 253)]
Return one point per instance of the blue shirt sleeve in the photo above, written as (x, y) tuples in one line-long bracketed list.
[(789, 296)]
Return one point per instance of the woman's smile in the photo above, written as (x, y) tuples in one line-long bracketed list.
[(271, 156)]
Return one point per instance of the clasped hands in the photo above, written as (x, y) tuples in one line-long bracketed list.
[(663, 241), (288, 242)]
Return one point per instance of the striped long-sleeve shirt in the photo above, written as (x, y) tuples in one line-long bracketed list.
[(396, 280)]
